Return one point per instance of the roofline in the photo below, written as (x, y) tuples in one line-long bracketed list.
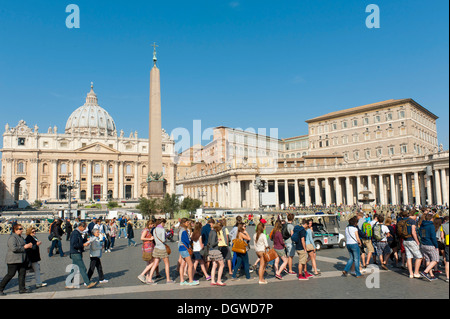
[(370, 108)]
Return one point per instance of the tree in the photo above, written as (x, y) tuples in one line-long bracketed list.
[(190, 204), (112, 204), (148, 207), (170, 204)]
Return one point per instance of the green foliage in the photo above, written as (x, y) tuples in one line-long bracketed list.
[(191, 204), (149, 207), (112, 204), (170, 204)]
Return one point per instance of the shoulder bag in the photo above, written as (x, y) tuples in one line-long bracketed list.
[(168, 250), (270, 254)]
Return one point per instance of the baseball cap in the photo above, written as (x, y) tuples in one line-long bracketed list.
[(263, 221)]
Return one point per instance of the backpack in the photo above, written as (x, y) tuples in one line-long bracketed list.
[(377, 232), (296, 235), (367, 230), (402, 229), (285, 232)]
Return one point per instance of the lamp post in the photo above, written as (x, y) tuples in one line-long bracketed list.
[(260, 186), (69, 185), (201, 194)]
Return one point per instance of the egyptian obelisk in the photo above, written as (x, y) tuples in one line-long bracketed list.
[(155, 178)]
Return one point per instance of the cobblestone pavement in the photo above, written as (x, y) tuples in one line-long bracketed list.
[(124, 264)]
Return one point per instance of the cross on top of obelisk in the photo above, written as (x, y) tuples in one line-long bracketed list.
[(154, 45)]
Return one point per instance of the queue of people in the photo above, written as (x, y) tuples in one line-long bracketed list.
[(413, 239), (213, 248)]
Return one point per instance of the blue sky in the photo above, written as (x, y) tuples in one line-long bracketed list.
[(239, 63)]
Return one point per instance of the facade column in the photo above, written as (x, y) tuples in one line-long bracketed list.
[(437, 187), (286, 193), (55, 179), (444, 187), (372, 187), (105, 179), (381, 190), (276, 194), (339, 199), (429, 190), (307, 193), (417, 188), (349, 191), (34, 186), (405, 189), (327, 192), (136, 180), (77, 177), (89, 181), (121, 180), (297, 194), (116, 179), (317, 191), (393, 190)]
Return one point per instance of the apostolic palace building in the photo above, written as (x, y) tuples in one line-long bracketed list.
[(107, 164), (389, 148)]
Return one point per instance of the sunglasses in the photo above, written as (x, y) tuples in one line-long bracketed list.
[(19, 228)]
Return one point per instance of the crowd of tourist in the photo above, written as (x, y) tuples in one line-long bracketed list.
[(411, 239)]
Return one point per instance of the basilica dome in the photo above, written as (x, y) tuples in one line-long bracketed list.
[(91, 119)]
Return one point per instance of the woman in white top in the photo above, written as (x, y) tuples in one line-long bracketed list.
[(260, 247), (196, 238), (353, 244)]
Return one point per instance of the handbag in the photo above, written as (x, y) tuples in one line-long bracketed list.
[(239, 246), (190, 251), (168, 250), (270, 254)]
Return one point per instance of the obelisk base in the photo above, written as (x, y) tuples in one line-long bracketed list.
[(155, 189)]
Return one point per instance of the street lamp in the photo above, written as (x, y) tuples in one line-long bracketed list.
[(260, 186), (201, 194), (69, 185)]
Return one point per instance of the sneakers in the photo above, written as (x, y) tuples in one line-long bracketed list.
[(43, 284), (142, 279), (307, 275), (426, 276), (104, 281), (301, 277), (92, 284)]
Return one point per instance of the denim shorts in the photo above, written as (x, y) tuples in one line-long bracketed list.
[(290, 250), (184, 253)]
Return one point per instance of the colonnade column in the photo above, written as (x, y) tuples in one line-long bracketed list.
[(417, 188), (55, 179), (381, 190), (307, 193), (297, 195), (444, 187), (405, 189), (339, 200)]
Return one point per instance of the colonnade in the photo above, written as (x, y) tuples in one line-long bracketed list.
[(418, 187)]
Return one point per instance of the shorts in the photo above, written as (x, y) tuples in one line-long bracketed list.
[(184, 253), (280, 252), (430, 253), (412, 249), (302, 257), (369, 246), (226, 252), (290, 250), (383, 248), (159, 253), (197, 255)]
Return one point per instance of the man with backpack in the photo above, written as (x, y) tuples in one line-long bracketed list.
[(411, 243), (299, 238), (380, 234), (365, 233)]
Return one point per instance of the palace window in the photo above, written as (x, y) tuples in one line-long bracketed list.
[(97, 169), (63, 168), (391, 150), (128, 169), (21, 141)]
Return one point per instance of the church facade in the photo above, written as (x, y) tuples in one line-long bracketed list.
[(107, 164)]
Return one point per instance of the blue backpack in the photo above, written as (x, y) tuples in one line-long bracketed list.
[(296, 235)]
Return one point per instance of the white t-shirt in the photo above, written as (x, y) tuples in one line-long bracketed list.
[(350, 234)]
